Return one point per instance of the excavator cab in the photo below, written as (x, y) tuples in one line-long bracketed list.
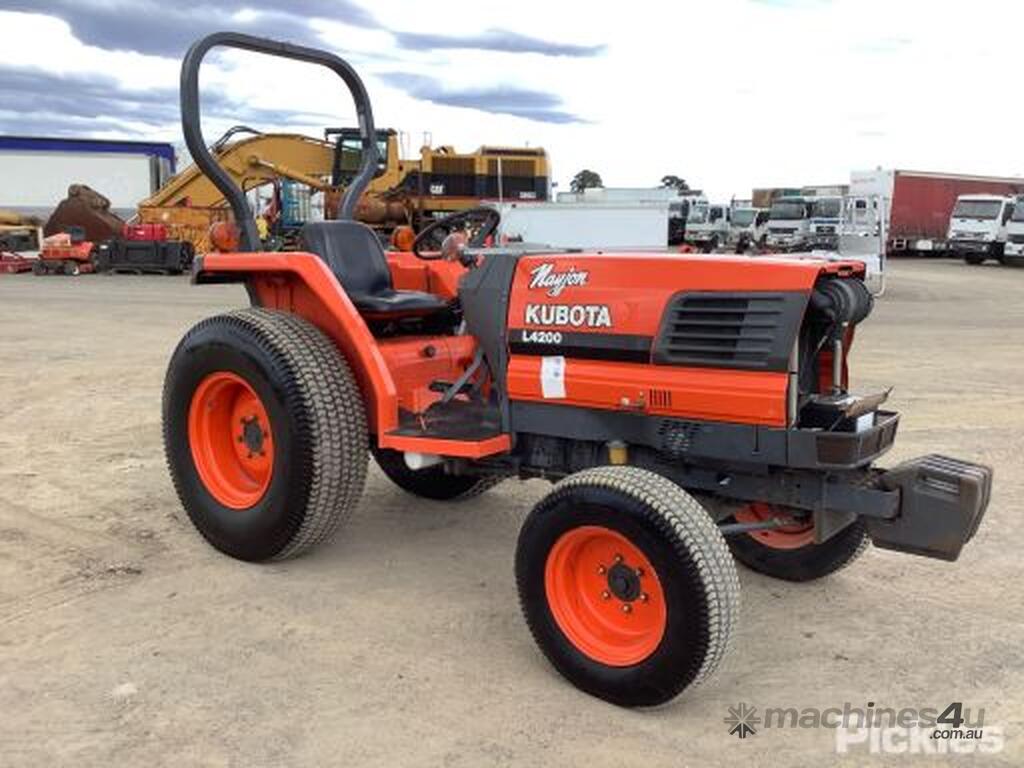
[(348, 153)]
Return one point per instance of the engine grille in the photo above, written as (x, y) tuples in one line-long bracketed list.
[(1016, 239), (730, 330)]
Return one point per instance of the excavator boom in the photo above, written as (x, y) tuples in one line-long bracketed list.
[(189, 203)]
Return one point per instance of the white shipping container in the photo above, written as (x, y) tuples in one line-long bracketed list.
[(604, 226), (37, 181)]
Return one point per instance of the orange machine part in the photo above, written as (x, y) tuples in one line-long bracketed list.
[(414, 362), (469, 449), (610, 627), (636, 287), (230, 437), (411, 273), (796, 536), (301, 283), (743, 397)]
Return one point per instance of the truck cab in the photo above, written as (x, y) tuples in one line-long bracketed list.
[(825, 222), (748, 227), (789, 223), (707, 225), (978, 227)]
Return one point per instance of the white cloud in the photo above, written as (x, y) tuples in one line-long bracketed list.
[(730, 95)]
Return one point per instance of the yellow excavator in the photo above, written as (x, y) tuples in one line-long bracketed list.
[(410, 192), (189, 204)]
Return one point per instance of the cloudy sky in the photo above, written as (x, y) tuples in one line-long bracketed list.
[(730, 94)]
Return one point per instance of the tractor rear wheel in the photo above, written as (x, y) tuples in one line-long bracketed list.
[(627, 585), (432, 482), (789, 553), (265, 433)]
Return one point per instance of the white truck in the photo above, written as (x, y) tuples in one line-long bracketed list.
[(1013, 252), (789, 224), (748, 227), (707, 225), (978, 227), (825, 222)]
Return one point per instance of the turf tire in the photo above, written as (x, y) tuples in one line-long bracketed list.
[(696, 572), (318, 422)]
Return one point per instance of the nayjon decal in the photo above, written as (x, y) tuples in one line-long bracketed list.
[(569, 315), (545, 276)]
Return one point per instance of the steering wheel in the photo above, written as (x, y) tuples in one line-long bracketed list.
[(475, 225)]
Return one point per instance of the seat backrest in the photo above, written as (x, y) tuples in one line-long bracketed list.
[(352, 252)]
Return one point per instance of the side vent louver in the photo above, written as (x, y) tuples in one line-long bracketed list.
[(659, 398), (729, 330)]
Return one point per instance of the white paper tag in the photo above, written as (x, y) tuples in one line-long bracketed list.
[(552, 377)]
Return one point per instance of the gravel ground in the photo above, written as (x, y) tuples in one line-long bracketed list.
[(126, 640)]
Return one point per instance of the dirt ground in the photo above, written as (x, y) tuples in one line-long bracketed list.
[(126, 640)]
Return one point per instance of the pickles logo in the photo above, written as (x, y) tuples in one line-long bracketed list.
[(742, 720), (545, 276)]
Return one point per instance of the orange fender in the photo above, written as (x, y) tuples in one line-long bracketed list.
[(302, 284)]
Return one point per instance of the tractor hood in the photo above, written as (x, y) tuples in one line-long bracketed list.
[(627, 293)]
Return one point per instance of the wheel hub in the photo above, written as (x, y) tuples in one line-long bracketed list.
[(252, 435), (624, 582), (795, 536)]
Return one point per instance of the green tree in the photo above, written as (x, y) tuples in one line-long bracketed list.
[(675, 182), (585, 179)]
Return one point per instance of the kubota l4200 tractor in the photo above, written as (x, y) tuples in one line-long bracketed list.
[(691, 410)]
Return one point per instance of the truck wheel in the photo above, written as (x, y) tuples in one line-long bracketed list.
[(38, 268), (432, 482), (974, 259), (71, 268), (265, 433), (626, 585), (790, 553)]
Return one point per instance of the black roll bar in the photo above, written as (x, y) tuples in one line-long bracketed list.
[(191, 127)]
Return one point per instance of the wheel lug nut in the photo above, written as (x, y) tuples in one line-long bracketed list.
[(639, 571), (618, 558), (601, 569), (626, 608), (605, 595), (643, 597)]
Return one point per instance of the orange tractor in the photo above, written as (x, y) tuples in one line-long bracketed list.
[(66, 253), (691, 411)]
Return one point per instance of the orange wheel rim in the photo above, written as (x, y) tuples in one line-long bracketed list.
[(231, 440), (605, 596), (799, 534)]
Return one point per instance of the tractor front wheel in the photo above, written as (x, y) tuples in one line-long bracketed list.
[(265, 433), (789, 552), (432, 482), (627, 585)]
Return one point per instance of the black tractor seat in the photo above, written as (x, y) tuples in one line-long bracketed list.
[(353, 253)]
